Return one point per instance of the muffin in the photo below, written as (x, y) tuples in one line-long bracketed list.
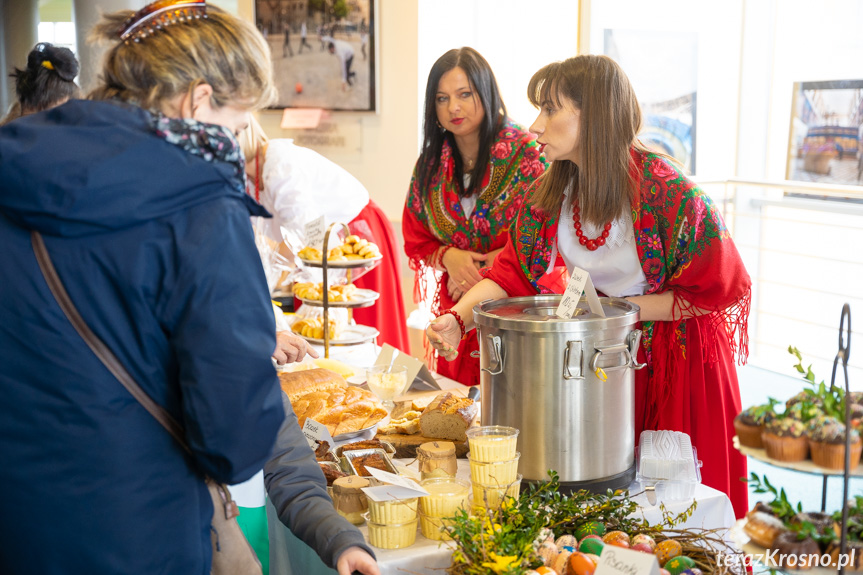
[(827, 443), (790, 543), (805, 396), (804, 411), (823, 523), (785, 440), (750, 423)]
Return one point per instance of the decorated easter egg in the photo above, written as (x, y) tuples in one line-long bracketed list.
[(667, 550), (566, 541), (663, 572), (642, 538), (569, 548), (594, 558), (693, 571), (679, 564), (620, 543), (643, 547), (597, 537), (559, 564), (613, 536), (580, 564), (591, 546), (547, 552), (589, 528), (543, 570)]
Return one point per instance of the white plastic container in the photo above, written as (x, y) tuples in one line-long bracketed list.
[(667, 464)]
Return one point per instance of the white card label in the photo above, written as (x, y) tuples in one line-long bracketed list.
[(570, 298), (315, 431), (314, 232), (398, 488), (620, 561)]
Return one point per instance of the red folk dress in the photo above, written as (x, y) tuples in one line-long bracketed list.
[(690, 384), (434, 218), (388, 313)]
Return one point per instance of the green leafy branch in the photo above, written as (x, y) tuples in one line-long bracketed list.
[(780, 505), (831, 400)]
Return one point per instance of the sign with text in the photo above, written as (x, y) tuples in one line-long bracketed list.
[(579, 282), (620, 561), (397, 488), (331, 136), (315, 431), (315, 231), (301, 118)]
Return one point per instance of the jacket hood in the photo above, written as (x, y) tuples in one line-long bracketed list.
[(89, 167)]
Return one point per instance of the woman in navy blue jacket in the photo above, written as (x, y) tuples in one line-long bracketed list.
[(139, 195)]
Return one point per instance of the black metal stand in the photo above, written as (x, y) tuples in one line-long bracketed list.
[(842, 356)]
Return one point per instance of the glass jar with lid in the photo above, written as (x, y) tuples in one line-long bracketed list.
[(437, 459), (348, 498)]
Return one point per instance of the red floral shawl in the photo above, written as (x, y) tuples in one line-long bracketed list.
[(434, 217), (683, 246)]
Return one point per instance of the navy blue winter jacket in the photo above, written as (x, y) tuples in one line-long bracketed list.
[(155, 248)]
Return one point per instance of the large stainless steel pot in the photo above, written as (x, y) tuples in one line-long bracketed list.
[(541, 375)]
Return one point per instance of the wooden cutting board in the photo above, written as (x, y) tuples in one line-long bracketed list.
[(406, 445)]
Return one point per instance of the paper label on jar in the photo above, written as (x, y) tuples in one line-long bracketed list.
[(579, 282), (398, 487), (314, 232), (314, 431)]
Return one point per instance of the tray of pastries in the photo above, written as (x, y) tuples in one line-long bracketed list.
[(354, 252), (312, 330), (347, 295)]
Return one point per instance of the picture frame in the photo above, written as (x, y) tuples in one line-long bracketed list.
[(825, 141), (325, 52)]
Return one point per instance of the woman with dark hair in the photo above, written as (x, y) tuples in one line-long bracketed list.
[(643, 231), (46, 82), (466, 188)]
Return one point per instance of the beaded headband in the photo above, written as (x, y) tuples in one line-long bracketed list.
[(160, 14)]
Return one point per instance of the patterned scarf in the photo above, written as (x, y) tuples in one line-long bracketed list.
[(515, 161), (211, 142)]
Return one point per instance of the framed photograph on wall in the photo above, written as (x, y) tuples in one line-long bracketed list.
[(324, 52), (826, 135), (668, 101)]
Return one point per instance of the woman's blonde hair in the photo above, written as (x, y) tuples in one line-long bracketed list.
[(609, 123), (221, 50), (252, 139)]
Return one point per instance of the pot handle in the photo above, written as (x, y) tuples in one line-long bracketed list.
[(497, 356), (609, 349), (579, 360), (634, 338)]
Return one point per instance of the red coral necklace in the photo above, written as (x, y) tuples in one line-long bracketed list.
[(590, 244)]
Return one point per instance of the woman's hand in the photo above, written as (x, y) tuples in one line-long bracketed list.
[(291, 348), (463, 267), (453, 289), (357, 559), (444, 334)]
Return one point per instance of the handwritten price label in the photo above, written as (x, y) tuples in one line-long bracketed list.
[(314, 232), (572, 295), (315, 431)]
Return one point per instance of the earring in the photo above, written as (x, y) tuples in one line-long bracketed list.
[(442, 129)]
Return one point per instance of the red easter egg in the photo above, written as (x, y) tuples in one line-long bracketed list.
[(643, 547)]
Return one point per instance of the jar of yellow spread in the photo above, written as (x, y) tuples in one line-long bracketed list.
[(446, 496), (348, 498), (437, 459), (491, 496), (494, 473), (393, 512), (492, 443), (393, 536)]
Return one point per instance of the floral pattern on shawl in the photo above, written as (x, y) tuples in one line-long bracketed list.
[(683, 245), (515, 161), (211, 142)]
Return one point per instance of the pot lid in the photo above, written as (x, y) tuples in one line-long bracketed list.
[(539, 313)]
